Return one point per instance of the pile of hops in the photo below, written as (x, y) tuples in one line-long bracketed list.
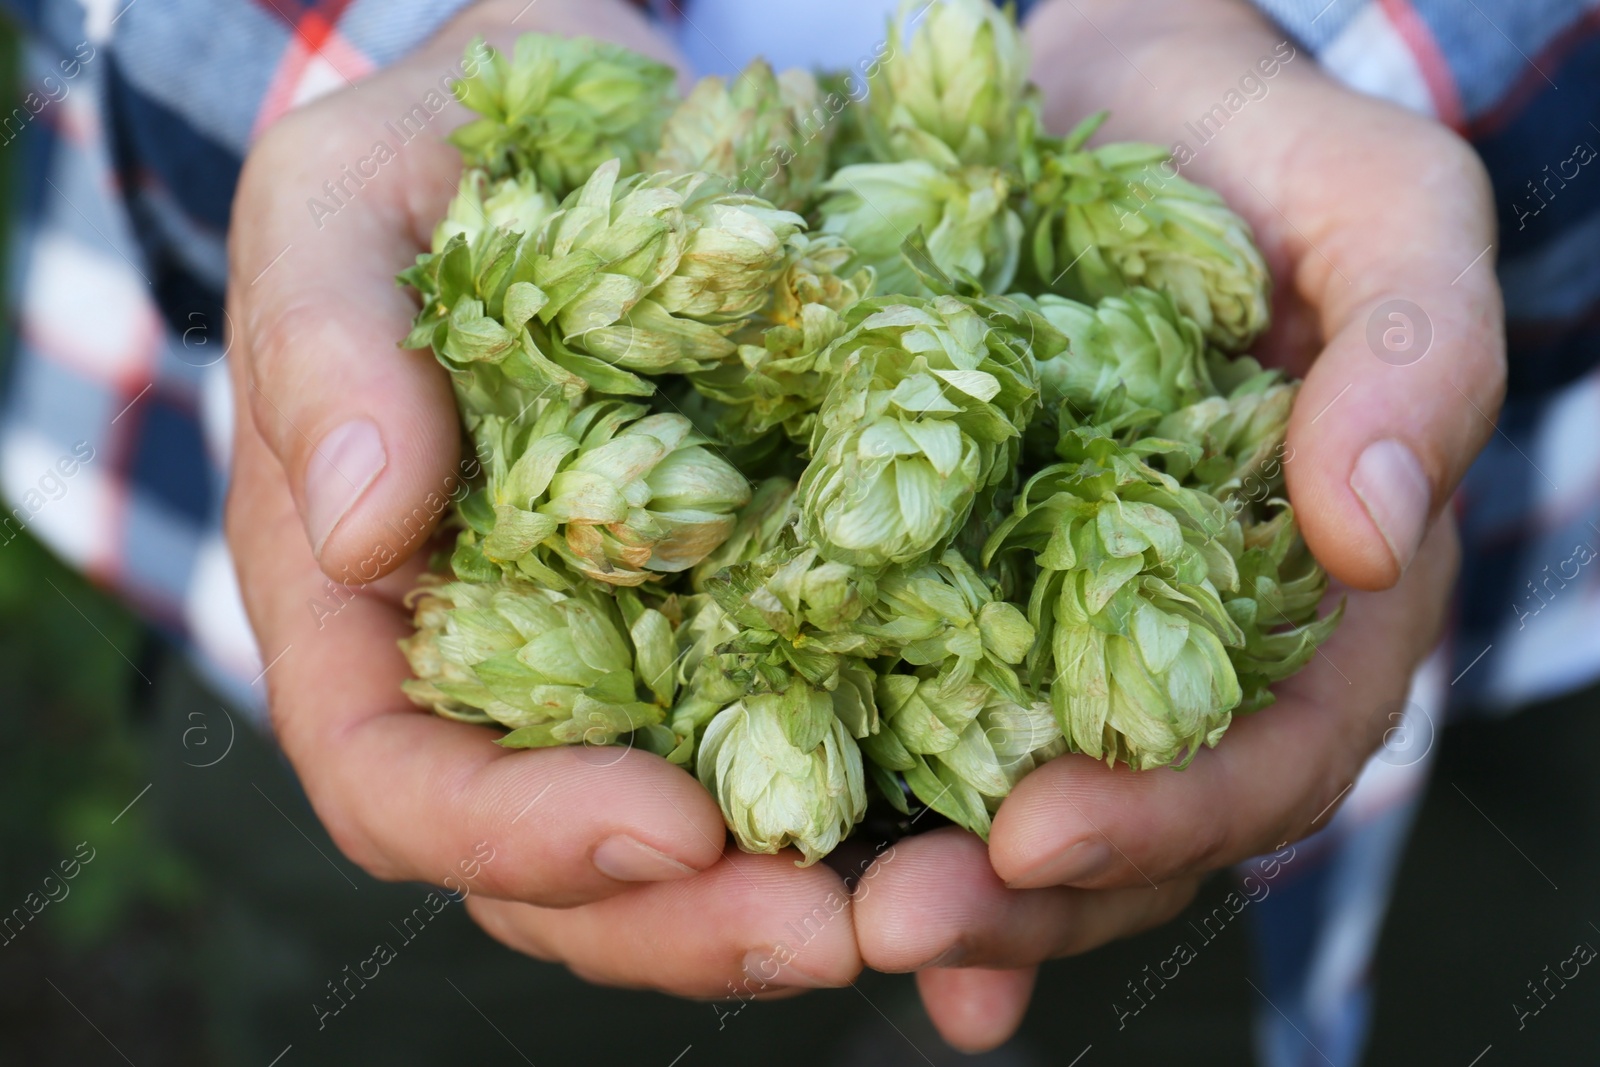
[(852, 442)]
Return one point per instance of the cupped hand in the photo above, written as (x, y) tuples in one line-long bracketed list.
[(346, 455), (1378, 227)]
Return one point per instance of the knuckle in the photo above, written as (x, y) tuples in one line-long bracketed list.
[(279, 341), (279, 331)]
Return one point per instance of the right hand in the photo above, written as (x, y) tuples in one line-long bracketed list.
[(345, 451)]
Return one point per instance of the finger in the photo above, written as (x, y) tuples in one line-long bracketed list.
[(366, 433), (976, 1009), (934, 900), (1378, 226), (408, 795), (750, 926), (1273, 778)]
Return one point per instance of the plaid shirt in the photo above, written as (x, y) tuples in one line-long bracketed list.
[(115, 426)]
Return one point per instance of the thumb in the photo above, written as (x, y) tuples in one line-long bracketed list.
[(1408, 385), (366, 433)]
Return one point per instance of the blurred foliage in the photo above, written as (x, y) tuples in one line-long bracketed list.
[(72, 758)]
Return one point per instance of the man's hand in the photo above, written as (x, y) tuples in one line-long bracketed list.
[(346, 453), (1355, 204)]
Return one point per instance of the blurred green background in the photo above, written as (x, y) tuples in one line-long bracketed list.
[(203, 928)]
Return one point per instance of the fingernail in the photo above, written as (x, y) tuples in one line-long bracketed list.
[(628, 859), (1077, 862), (1397, 494), (775, 967), (345, 462)]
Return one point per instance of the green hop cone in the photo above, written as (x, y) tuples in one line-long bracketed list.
[(652, 274), (960, 727), (561, 107), (1118, 216), (780, 377), (953, 94), (1275, 606), (705, 678), (964, 214), (926, 415), (743, 132), (482, 207), (797, 613), (786, 771), (1238, 456), (552, 668), (1138, 341), (780, 614), (608, 490), (477, 305), (816, 273), (1134, 638), (944, 615), (961, 749), (1238, 439), (1236, 453)]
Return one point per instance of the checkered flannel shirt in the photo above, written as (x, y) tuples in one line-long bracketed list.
[(114, 428)]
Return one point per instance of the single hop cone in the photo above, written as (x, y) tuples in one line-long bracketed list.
[(609, 491), (1107, 219), (1139, 341), (1134, 638), (560, 107), (960, 749), (781, 375), (964, 214), (652, 274), (743, 132), (786, 769), (926, 414), (478, 305), (953, 94), (1275, 607), (959, 724), (552, 668), (1238, 438), (944, 615), (483, 206)]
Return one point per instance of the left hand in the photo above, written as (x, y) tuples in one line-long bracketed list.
[(1354, 202)]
